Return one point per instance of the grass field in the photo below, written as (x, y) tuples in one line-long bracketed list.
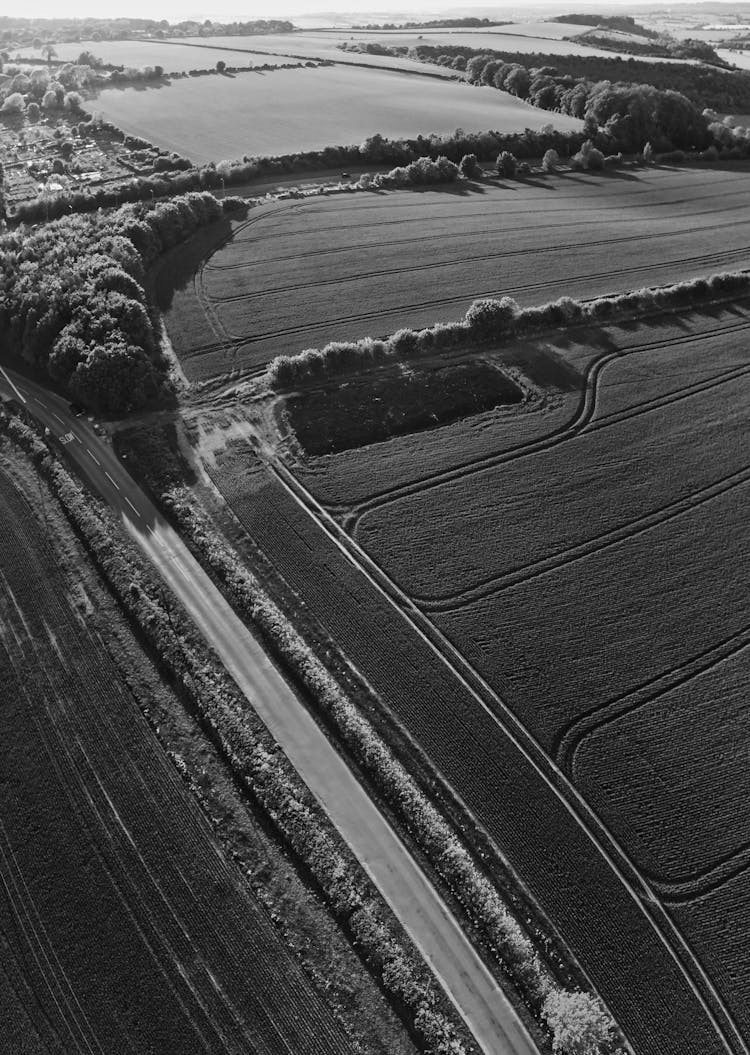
[(211, 118), (122, 926), (303, 273)]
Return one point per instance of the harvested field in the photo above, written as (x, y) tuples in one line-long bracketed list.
[(408, 259), (211, 118), (122, 926)]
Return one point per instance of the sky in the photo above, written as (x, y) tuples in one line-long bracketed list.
[(229, 10)]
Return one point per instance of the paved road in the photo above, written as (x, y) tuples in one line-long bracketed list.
[(425, 916)]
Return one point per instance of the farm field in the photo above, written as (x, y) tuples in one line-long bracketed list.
[(122, 926), (211, 118), (449, 724), (174, 58), (594, 574), (368, 264)]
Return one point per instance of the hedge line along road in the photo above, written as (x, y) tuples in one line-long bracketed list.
[(479, 999)]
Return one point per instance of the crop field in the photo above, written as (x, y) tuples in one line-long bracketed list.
[(122, 927), (303, 273), (626, 607), (174, 58), (211, 118)]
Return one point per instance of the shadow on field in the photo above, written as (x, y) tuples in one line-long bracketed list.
[(175, 270), (544, 367)]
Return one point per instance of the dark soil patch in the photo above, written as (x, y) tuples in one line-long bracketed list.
[(395, 401)]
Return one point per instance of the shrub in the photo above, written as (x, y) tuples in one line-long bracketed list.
[(550, 161), (647, 154)]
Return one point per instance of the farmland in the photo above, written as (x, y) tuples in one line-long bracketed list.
[(173, 58), (123, 927), (359, 264), (547, 541), (211, 118)]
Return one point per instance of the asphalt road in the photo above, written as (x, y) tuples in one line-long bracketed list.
[(424, 915)]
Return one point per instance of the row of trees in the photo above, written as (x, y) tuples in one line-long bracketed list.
[(492, 321), (72, 299)]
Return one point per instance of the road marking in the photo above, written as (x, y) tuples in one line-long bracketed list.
[(16, 390), (178, 564), (41, 404), (57, 417), (114, 482), (132, 506), (93, 456)]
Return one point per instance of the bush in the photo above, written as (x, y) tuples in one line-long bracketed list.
[(550, 161)]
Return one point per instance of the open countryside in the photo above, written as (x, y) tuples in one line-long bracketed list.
[(373, 484)]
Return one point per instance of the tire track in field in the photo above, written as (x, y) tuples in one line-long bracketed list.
[(569, 740), (581, 418), (495, 707), (27, 915), (504, 254), (69, 780), (590, 197), (441, 236), (704, 261), (455, 601)]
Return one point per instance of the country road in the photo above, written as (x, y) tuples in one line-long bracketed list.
[(477, 996)]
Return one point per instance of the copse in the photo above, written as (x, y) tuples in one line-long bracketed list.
[(72, 298)]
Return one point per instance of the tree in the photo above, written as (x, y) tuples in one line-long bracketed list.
[(469, 167), (49, 102), (550, 161), (578, 1022), (14, 104), (517, 82), (72, 101), (507, 164), (221, 65), (49, 52)]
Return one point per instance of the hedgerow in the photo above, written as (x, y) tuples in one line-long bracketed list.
[(264, 771), (491, 320)]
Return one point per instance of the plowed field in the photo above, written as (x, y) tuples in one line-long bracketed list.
[(122, 927), (303, 273)]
